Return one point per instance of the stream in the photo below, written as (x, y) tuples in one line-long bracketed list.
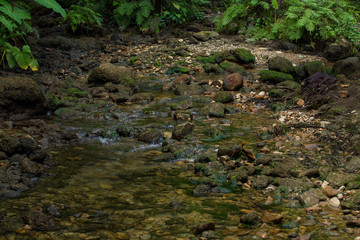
[(111, 187)]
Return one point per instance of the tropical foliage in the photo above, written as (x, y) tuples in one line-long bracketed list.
[(305, 20)]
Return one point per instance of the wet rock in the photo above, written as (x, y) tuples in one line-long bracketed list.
[(150, 135), (108, 72), (233, 82), (208, 155), (189, 90), (270, 217), (233, 67), (142, 98), (346, 66), (28, 166), (198, 229), (338, 179), (260, 181), (127, 131), (290, 225), (334, 202), (216, 132), (182, 130), (183, 79), (38, 220), (184, 105), (280, 64), (244, 56), (286, 45), (318, 82), (274, 77), (165, 157), (66, 113), (233, 151), (311, 197), (10, 145), (206, 35), (295, 185), (223, 97), (213, 68), (311, 173), (328, 190), (178, 149), (251, 218), (20, 97), (353, 223), (353, 165), (201, 190), (338, 50), (176, 204), (214, 110), (120, 97), (313, 67), (181, 116)]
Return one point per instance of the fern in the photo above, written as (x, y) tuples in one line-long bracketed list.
[(83, 17)]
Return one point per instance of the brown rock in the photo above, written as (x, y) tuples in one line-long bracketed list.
[(269, 217), (329, 191), (185, 78), (233, 82), (300, 102), (198, 229), (343, 94)]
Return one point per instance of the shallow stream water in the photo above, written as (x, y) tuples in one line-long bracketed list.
[(115, 189)]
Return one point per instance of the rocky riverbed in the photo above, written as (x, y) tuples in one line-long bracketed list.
[(189, 135)]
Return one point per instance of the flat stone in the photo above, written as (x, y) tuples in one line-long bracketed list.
[(334, 202)]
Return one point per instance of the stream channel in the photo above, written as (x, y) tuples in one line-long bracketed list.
[(119, 188)]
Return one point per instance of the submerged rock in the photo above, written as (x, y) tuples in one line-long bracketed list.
[(214, 110), (38, 220), (150, 135), (182, 130)]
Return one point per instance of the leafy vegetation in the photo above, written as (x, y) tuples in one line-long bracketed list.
[(83, 17), (296, 20), (14, 25)]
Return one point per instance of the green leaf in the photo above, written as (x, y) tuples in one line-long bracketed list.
[(8, 24), (10, 59), (34, 64), (275, 4), (176, 5), (53, 5)]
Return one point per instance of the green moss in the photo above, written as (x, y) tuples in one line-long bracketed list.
[(133, 60), (233, 68), (213, 68), (244, 56), (74, 92), (279, 93), (313, 67), (177, 69), (274, 77)]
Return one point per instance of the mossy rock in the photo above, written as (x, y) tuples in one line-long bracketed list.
[(210, 59), (233, 67), (224, 55), (150, 135), (244, 56), (274, 77), (214, 110), (223, 97), (215, 133), (280, 64), (74, 92), (142, 97), (209, 155), (290, 85), (177, 69), (65, 113), (314, 67), (213, 68), (189, 90), (279, 93), (299, 73)]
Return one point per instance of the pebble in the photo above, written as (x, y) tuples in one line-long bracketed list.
[(328, 191), (334, 202)]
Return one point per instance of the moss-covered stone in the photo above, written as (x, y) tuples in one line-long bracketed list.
[(279, 93), (214, 110), (213, 68), (290, 85), (274, 77), (244, 56), (74, 92), (189, 90), (313, 67), (299, 73), (150, 135), (223, 97), (224, 55), (209, 155), (233, 67), (65, 113), (177, 69), (280, 64)]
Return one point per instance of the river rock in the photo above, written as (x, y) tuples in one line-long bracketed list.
[(251, 218), (313, 67), (182, 130), (274, 77), (150, 135), (214, 110), (20, 97), (353, 165), (189, 90), (206, 35), (233, 67), (280, 64), (233, 151), (328, 190), (183, 116), (339, 50), (213, 68), (273, 218), (208, 155), (201, 190), (108, 72), (346, 66), (198, 229), (334, 202), (311, 197), (233, 82), (259, 181), (223, 97), (243, 56), (142, 98), (38, 220)]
